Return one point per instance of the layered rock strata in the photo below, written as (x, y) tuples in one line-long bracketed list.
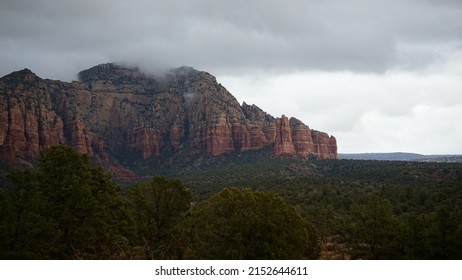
[(114, 111)]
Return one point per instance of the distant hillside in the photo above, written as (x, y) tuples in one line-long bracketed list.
[(402, 157)]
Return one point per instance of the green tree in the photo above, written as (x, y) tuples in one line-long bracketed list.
[(444, 235), (159, 205), (371, 231), (25, 231), (72, 201), (246, 224)]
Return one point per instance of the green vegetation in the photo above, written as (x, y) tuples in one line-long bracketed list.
[(361, 209), (66, 208), (159, 206), (246, 224)]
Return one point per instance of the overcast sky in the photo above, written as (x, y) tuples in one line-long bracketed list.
[(381, 76)]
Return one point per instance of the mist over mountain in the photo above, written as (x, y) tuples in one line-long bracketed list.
[(129, 121)]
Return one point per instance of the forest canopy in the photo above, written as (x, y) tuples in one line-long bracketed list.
[(68, 208)]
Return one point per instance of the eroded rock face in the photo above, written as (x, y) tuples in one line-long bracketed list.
[(283, 142), (302, 138), (116, 111), (28, 121)]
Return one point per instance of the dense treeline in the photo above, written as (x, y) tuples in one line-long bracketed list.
[(66, 208), (362, 209)]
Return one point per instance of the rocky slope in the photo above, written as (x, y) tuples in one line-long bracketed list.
[(120, 115)]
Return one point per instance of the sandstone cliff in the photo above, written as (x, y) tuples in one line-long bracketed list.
[(117, 113)]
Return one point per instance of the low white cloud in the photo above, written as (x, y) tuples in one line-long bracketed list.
[(397, 111)]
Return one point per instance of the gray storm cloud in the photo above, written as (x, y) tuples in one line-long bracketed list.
[(355, 68), (226, 36)]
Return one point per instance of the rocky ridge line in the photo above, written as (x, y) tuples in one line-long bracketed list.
[(116, 113)]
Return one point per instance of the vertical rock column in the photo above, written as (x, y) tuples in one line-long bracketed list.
[(283, 140)]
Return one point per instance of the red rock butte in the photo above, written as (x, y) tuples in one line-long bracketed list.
[(113, 111)]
